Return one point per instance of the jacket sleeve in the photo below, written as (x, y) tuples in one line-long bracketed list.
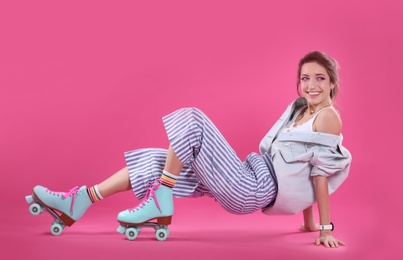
[(328, 161)]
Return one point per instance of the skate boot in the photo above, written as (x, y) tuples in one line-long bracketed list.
[(156, 205), (65, 207)]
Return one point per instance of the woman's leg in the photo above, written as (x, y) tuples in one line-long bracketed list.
[(146, 165), (118, 182), (240, 187), (158, 202), (196, 142), (173, 165)]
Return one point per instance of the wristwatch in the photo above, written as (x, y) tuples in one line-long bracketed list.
[(327, 227)]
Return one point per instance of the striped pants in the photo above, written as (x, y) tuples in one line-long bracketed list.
[(211, 167)]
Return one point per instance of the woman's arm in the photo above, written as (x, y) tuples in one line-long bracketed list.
[(328, 121), (322, 198)]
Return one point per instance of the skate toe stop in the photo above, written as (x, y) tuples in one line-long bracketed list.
[(121, 230), (29, 199)]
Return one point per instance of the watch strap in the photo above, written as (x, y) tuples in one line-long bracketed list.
[(327, 227)]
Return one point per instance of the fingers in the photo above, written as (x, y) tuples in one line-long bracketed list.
[(336, 243), (341, 243), (329, 243)]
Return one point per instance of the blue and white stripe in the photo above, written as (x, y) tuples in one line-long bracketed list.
[(211, 168)]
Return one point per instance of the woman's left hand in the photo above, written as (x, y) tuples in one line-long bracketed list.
[(328, 241)]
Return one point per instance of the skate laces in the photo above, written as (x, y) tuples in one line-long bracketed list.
[(149, 195), (67, 194)]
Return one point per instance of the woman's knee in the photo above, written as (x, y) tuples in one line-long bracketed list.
[(195, 117), (196, 112)]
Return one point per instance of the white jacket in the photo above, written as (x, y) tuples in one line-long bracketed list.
[(297, 156)]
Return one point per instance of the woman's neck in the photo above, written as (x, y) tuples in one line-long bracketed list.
[(313, 109)]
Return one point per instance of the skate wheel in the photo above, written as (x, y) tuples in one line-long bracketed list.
[(56, 229), (168, 231), (162, 234), (166, 228), (132, 233), (35, 209)]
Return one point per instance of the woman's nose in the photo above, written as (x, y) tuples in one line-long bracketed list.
[(311, 85)]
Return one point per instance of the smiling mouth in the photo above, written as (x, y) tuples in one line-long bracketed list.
[(313, 93)]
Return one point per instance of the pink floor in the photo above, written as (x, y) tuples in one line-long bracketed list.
[(204, 231)]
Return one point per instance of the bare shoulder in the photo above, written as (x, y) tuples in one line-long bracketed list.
[(328, 121)]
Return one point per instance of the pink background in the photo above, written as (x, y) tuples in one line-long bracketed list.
[(83, 81)]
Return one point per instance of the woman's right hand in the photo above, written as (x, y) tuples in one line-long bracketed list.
[(310, 228)]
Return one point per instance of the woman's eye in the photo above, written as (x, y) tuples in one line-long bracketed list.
[(304, 78), (321, 78)]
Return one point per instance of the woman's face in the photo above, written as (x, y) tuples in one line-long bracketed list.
[(315, 84)]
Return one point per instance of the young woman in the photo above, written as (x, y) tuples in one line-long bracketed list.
[(302, 161)]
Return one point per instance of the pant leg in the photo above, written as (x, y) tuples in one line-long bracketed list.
[(146, 165), (239, 187)]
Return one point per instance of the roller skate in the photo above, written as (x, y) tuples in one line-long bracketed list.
[(65, 207), (155, 211)]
